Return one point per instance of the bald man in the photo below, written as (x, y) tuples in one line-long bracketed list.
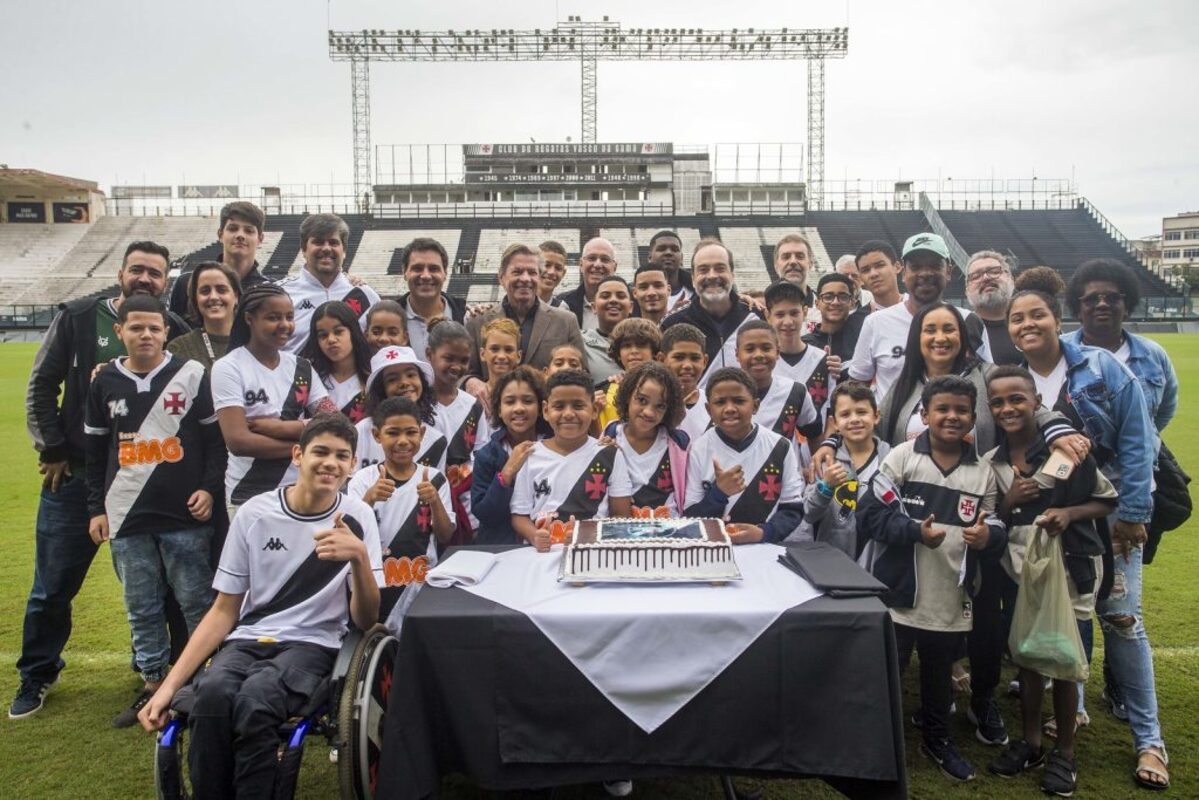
[(597, 261)]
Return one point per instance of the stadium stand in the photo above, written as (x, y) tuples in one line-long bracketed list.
[(28, 253), (49, 264), (91, 265)]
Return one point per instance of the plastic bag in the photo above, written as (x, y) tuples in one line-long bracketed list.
[(1044, 636)]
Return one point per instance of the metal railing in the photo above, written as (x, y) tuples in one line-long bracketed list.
[(530, 210), (27, 317)]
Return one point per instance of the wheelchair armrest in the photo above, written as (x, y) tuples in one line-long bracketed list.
[(345, 654)]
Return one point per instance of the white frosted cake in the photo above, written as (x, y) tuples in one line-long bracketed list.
[(649, 550)]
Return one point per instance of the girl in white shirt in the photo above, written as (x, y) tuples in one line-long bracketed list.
[(341, 357)]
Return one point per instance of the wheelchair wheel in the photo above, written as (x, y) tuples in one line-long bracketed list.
[(360, 713), (168, 762)]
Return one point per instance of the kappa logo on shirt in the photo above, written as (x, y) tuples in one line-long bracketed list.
[(305, 305), (274, 544), (541, 487)]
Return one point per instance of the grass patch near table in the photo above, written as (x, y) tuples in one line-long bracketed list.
[(69, 750)]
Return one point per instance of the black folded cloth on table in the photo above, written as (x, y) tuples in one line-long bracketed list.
[(830, 570)]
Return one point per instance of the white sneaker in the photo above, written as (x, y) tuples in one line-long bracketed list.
[(618, 788)]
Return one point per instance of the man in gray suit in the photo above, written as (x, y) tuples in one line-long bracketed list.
[(542, 326)]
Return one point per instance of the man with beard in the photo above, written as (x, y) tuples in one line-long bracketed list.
[(989, 288), (81, 336), (542, 326), (323, 240), (425, 262), (666, 252), (597, 262), (651, 291), (240, 233), (717, 310), (553, 268), (879, 354)]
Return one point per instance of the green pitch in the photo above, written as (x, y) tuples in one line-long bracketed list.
[(68, 750)]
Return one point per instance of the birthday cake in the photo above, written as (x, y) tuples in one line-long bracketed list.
[(649, 550)]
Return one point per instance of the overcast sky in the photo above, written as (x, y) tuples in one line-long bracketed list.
[(157, 92)]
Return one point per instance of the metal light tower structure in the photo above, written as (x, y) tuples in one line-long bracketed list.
[(589, 42)]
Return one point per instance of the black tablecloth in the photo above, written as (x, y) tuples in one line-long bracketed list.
[(480, 690)]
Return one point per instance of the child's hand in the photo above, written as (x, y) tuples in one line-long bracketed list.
[(978, 534), (823, 458), (833, 364), (836, 474), (606, 441), (729, 481), (1054, 521), (154, 713), (97, 528), (199, 505), (740, 533), (516, 460), (931, 537), (425, 491), (1023, 490), (338, 543), (381, 490), (541, 539)]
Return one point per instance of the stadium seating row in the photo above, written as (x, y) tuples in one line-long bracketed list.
[(46, 264)]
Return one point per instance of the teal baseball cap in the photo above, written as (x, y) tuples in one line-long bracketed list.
[(926, 241)]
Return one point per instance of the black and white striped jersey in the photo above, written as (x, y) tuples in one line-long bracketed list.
[(291, 595), (289, 391), (152, 442)]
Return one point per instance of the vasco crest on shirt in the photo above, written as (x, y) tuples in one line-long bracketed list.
[(967, 508)]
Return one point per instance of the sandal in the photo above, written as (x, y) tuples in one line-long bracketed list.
[(1081, 720), (1060, 776), (1147, 783)]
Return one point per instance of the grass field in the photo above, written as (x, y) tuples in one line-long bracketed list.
[(69, 750)]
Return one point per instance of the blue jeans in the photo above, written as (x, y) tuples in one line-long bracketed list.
[(1126, 648), (147, 563), (64, 552)]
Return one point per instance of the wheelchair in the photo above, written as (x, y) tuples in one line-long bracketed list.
[(349, 715)]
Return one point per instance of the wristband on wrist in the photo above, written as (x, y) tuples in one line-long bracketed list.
[(824, 488), (499, 476)]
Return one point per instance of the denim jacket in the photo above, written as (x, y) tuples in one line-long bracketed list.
[(1108, 399), (1148, 361)]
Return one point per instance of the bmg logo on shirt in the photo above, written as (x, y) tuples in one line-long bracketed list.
[(254, 397), (150, 451)]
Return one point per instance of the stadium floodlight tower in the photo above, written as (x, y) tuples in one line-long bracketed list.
[(589, 42)]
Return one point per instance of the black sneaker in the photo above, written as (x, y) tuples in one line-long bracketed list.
[(988, 722), (917, 718), (128, 717), (942, 753), (1061, 775), (1016, 758), (31, 696)]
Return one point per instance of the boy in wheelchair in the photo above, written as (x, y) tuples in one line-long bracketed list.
[(279, 617)]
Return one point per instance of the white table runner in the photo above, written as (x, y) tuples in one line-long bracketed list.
[(648, 648)]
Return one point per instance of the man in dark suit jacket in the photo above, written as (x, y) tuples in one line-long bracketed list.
[(542, 326)]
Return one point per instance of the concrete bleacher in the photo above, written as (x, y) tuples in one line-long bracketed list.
[(378, 248), (28, 253), (46, 264), (92, 264)]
